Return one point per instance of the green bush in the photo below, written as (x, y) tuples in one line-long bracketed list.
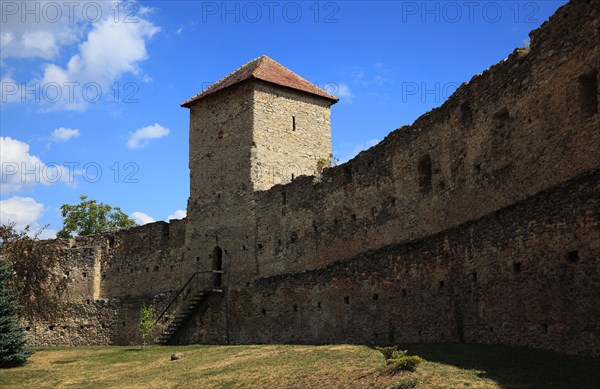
[(406, 362), (398, 354), (391, 352), (146, 323), (399, 359)]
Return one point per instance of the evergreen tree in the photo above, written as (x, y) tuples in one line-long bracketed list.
[(12, 336)]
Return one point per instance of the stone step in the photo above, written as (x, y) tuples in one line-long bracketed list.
[(184, 313)]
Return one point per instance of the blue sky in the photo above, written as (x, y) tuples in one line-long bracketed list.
[(91, 91)]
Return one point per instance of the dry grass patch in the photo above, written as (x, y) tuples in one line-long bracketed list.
[(286, 366)]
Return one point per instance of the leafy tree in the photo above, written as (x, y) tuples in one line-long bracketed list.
[(90, 217), (12, 336), (146, 323), (38, 271)]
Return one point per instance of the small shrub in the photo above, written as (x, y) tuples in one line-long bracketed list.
[(390, 352), (326, 163), (406, 362), (146, 323), (398, 354), (399, 359)]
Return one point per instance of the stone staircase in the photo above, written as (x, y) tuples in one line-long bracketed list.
[(182, 307)]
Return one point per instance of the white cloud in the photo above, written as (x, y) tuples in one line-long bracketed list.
[(11, 90), (38, 36), (179, 214), (344, 92), (21, 171), (22, 211), (64, 134), (111, 49), (6, 39), (108, 49), (378, 75), (358, 74), (51, 25), (40, 41), (349, 151), (141, 136), (46, 233), (381, 80), (142, 218)]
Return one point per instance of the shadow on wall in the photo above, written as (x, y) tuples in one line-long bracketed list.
[(514, 367)]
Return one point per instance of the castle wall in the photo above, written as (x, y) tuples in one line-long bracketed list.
[(526, 124), (78, 324), (526, 275), (110, 277), (144, 260), (83, 319), (479, 222)]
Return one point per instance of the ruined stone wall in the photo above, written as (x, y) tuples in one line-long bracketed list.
[(525, 275), (527, 124), (84, 319), (510, 136), (292, 133), (110, 277), (143, 266), (145, 260), (479, 222), (78, 324)]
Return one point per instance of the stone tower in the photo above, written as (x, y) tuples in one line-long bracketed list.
[(259, 126)]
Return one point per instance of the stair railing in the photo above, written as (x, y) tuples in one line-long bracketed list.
[(197, 277)]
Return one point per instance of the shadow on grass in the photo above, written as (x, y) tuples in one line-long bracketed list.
[(515, 367)]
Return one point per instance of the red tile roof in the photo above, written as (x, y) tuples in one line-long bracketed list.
[(266, 69)]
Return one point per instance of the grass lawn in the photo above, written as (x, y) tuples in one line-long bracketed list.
[(287, 366)]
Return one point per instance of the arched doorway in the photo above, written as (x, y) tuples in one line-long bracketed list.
[(217, 267)]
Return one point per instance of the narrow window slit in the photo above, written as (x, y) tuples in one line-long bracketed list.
[(425, 174), (516, 267), (573, 256), (588, 94)]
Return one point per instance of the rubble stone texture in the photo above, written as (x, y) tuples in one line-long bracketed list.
[(480, 222)]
